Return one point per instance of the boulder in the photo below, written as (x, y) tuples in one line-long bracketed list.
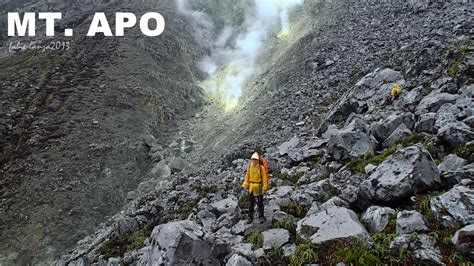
[(400, 133), (425, 123), (238, 260), (351, 141), (433, 101), (161, 169), (286, 146), (451, 163), (454, 208), (463, 239), (180, 242), (383, 128), (456, 134), (288, 249), (275, 238), (409, 222), (127, 225), (334, 223), (228, 205), (410, 99), (422, 247), (177, 165), (403, 174), (377, 218), (378, 77)]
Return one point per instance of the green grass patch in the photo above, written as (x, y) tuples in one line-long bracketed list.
[(255, 238), (454, 69), (305, 253), (274, 256), (289, 180), (357, 252), (295, 209), (119, 245), (464, 151), (422, 205), (244, 201), (285, 224), (359, 164)]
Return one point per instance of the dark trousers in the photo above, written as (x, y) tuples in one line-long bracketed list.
[(252, 205)]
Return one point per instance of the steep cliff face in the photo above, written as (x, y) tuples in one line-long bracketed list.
[(72, 124), (133, 118)]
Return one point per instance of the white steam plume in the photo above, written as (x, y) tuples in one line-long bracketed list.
[(234, 50)]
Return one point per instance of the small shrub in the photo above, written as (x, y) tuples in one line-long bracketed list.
[(244, 201), (295, 209), (275, 256), (422, 205), (357, 252), (454, 69), (256, 239), (464, 151), (119, 245), (285, 224), (305, 253)]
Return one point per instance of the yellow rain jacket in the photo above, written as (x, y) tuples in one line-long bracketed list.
[(256, 179), (396, 90)]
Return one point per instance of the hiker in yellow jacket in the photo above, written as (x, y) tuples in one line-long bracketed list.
[(256, 181)]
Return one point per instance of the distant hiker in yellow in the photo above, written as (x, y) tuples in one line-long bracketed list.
[(256, 181), (396, 91)]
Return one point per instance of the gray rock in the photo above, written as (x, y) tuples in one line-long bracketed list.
[(228, 205), (469, 121), (293, 142), (161, 169), (334, 223), (463, 239), (350, 141), (127, 225), (207, 218), (385, 127), (279, 215), (409, 222), (451, 163), (405, 173), (456, 134), (177, 165), (369, 169), (245, 250), (259, 253), (377, 77), (433, 101), (454, 208), (400, 133), (288, 249), (113, 262), (179, 242), (426, 252), (275, 238), (409, 100), (240, 227), (237, 260), (422, 246), (425, 123), (377, 218), (446, 115)]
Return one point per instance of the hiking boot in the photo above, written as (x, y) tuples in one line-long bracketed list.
[(249, 220), (262, 220)]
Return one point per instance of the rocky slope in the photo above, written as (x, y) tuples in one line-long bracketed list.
[(395, 177)]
